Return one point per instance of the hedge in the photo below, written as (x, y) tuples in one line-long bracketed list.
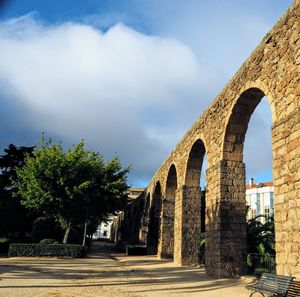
[(136, 250), (42, 250), (49, 241)]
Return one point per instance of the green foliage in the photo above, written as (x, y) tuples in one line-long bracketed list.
[(260, 244), (15, 220), (49, 241), (261, 236), (4, 239), (74, 187), (42, 250), (202, 248)]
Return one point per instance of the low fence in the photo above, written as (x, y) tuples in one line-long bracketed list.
[(257, 264)]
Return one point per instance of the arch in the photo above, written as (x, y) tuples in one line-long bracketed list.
[(136, 221), (237, 123), (166, 246), (188, 209), (194, 164), (154, 220), (171, 179), (171, 186), (232, 204), (261, 85), (145, 219)]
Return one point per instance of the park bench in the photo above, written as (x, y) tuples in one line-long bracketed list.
[(294, 289), (271, 284)]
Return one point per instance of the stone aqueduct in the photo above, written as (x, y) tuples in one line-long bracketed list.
[(167, 217)]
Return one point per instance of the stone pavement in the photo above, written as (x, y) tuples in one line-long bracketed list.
[(106, 275)]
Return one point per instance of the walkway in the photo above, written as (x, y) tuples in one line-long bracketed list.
[(106, 275)]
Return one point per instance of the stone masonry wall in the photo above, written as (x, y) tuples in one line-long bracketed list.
[(272, 70)]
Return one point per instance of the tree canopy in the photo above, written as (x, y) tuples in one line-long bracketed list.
[(75, 186), (13, 216)]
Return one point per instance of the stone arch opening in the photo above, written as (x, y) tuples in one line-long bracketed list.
[(195, 177), (154, 221), (145, 219), (168, 212), (237, 124), (137, 216), (194, 164), (188, 209), (232, 205)]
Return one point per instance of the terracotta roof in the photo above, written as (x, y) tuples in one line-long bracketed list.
[(260, 185)]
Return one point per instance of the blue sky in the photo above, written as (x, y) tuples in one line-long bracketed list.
[(130, 77)]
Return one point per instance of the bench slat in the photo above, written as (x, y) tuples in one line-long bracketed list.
[(272, 284), (294, 289)]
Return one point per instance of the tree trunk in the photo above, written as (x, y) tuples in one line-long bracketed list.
[(66, 236), (85, 225), (84, 233)]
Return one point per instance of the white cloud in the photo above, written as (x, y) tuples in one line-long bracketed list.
[(109, 88), (122, 91)]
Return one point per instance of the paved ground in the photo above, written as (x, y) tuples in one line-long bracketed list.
[(106, 275)]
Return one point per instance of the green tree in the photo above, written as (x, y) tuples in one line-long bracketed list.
[(74, 187), (14, 218), (261, 235), (260, 242)]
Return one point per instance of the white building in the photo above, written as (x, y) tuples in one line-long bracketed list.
[(103, 230), (260, 198), (133, 193)]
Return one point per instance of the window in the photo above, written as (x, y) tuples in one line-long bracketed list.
[(258, 204), (272, 200), (269, 213)]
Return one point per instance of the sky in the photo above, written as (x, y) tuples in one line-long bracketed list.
[(129, 77)]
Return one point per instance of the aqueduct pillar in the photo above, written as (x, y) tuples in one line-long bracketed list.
[(187, 225)]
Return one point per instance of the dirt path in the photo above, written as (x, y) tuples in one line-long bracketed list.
[(102, 275)]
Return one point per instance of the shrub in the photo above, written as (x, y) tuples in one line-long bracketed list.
[(41, 250), (49, 241), (136, 250)]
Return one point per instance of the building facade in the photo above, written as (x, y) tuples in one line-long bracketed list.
[(104, 229), (260, 199)]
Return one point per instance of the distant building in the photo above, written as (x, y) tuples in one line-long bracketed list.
[(260, 198), (133, 193), (104, 229)]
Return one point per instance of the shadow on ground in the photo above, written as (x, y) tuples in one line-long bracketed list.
[(101, 269)]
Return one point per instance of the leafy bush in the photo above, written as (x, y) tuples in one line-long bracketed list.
[(202, 248), (257, 264), (260, 244), (41, 250), (49, 241), (4, 239)]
